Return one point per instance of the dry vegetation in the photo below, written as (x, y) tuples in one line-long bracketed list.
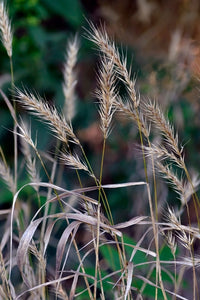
[(109, 265)]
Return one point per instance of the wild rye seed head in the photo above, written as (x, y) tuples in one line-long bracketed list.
[(73, 161), (106, 94), (5, 27), (70, 78), (26, 143), (155, 115), (58, 124), (101, 39)]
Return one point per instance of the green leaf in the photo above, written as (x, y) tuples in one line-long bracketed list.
[(139, 256), (111, 256)]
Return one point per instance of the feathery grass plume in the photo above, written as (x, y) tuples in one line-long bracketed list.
[(73, 161), (171, 242), (190, 189), (26, 142), (128, 110), (101, 39), (7, 177), (5, 27), (186, 239), (184, 189), (172, 218), (57, 123), (25, 134), (106, 94), (161, 153), (178, 184), (153, 112), (194, 261), (70, 78)]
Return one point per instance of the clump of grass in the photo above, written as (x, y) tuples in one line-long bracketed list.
[(109, 265)]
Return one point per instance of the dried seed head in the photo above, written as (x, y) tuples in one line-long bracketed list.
[(70, 78), (107, 47), (26, 142), (185, 239), (5, 27), (73, 161), (106, 94), (171, 242), (57, 122), (6, 176)]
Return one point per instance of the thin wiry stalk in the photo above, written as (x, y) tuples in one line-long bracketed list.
[(15, 125), (173, 246), (155, 231), (105, 203), (70, 78), (97, 252)]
